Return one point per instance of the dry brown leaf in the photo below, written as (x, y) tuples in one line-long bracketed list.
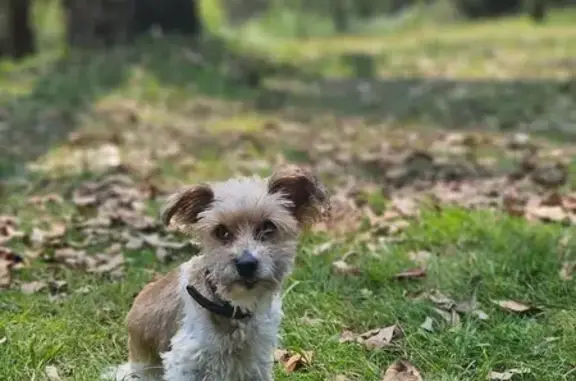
[(379, 337), (9, 229), (8, 261), (70, 257), (341, 267), (52, 373), (292, 361), (33, 287), (40, 237), (310, 321), (513, 306), (567, 270), (340, 377), (508, 374), (411, 274), (281, 355), (421, 258), (323, 248), (402, 370), (428, 324), (49, 198), (548, 213)]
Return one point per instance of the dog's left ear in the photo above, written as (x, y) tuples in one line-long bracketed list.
[(308, 196), (185, 206)]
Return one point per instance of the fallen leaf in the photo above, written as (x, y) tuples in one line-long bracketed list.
[(421, 258), (49, 198), (9, 229), (3, 340), (52, 373), (428, 324), (567, 270), (340, 377), (40, 237), (513, 306), (402, 370), (341, 267), (33, 287), (379, 337), (310, 321), (508, 374), (8, 260), (294, 361), (57, 286), (281, 355), (323, 248), (480, 314), (451, 316), (411, 274), (347, 336)]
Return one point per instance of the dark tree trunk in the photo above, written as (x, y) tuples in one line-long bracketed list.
[(16, 33), (172, 16), (538, 11), (340, 16), (365, 8), (98, 23)]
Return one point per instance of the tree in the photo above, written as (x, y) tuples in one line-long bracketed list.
[(16, 34), (93, 23), (538, 10)]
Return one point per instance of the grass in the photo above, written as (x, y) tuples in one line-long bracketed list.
[(149, 96), (85, 332)]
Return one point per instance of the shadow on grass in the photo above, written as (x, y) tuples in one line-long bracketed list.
[(65, 89)]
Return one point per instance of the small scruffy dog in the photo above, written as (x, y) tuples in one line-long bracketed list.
[(216, 317)]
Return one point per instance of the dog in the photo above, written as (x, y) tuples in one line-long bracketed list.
[(216, 317)]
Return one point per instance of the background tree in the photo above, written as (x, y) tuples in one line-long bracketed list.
[(93, 23), (16, 34)]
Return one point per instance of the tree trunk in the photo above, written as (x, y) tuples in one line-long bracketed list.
[(16, 34), (99, 23), (340, 16), (538, 11)]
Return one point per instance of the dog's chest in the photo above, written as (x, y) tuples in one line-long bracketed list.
[(227, 350)]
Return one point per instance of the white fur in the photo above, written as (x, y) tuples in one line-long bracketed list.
[(199, 352)]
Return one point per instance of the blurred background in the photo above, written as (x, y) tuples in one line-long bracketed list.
[(132, 79)]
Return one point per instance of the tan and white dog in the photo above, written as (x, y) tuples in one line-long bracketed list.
[(216, 317)]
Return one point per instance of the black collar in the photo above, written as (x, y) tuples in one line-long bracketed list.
[(223, 308)]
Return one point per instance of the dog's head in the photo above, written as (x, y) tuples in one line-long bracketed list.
[(249, 227)]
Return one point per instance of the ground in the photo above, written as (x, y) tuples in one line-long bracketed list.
[(446, 150)]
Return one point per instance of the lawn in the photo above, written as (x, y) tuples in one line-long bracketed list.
[(449, 163)]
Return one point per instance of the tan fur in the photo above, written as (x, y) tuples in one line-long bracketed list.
[(153, 319)]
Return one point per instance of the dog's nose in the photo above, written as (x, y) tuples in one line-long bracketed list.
[(246, 264)]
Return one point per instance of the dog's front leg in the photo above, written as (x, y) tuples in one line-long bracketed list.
[(182, 364), (178, 371)]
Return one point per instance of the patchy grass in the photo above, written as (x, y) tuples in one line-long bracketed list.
[(169, 119), (499, 257)]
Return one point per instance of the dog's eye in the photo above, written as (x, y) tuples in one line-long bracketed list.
[(222, 234), (266, 231)]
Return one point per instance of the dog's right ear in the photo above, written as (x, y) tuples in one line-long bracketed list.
[(185, 206)]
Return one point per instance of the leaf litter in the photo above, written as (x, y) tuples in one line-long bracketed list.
[(373, 339), (293, 361), (402, 370), (110, 216)]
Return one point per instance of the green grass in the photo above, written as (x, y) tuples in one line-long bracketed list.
[(487, 77), (84, 333)]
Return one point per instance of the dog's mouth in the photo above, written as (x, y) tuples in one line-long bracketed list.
[(250, 284)]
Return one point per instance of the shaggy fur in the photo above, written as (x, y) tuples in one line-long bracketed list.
[(173, 338)]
